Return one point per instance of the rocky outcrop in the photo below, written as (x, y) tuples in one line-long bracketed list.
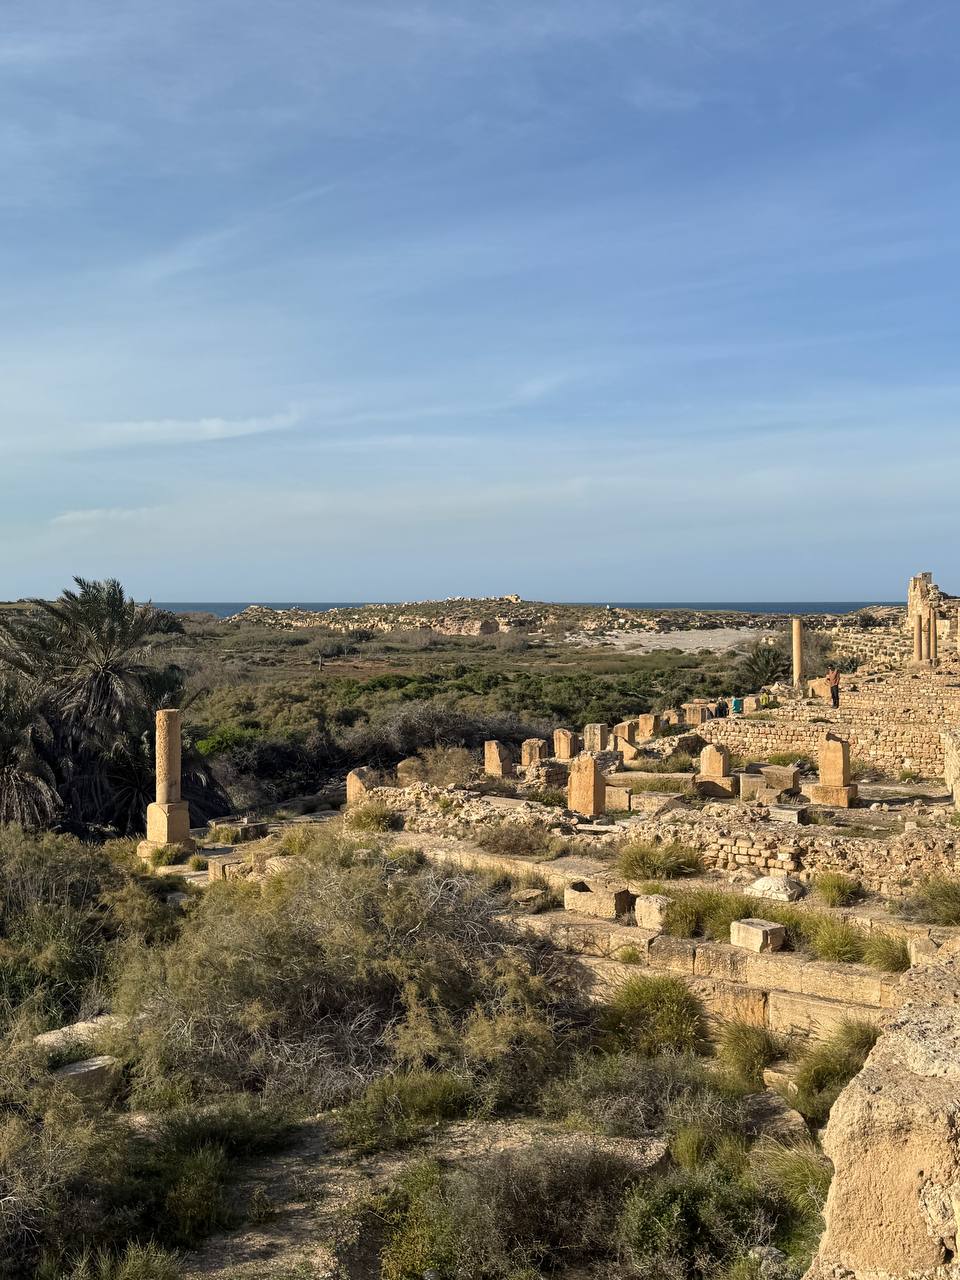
[(893, 1211)]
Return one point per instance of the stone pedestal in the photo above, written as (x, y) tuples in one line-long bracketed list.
[(564, 744), (595, 737), (714, 778), (497, 761), (586, 790), (532, 751), (833, 797), (647, 727)]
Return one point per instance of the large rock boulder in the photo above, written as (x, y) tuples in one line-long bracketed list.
[(894, 1139)]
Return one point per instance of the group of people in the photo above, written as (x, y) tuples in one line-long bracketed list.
[(722, 708)]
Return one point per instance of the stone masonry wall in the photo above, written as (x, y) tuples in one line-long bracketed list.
[(951, 751)]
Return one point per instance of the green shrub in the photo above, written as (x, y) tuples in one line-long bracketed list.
[(884, 951), (744, 1050), (447, 766), (630, 955), (645, 860), (167, 855), (226, 738), (135, 1262), (936, 901), (707, 913), (825, 1068), (679, 762), (836, 889), (197, 1202), (653, 1014), (552, 797), (396, 1109), (801, 759), (835, 940), (197, 862), (372, 816), (910, 775), (796, 1177), (518, 840)]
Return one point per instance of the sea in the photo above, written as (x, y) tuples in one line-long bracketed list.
[(227, 608)]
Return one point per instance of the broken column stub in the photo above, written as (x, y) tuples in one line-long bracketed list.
[(497, 760), (532, 751), (168, 818), (596, 737), (565, 744), (586, 789), (834, 787)]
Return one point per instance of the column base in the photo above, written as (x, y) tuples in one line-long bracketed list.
[(167, 824), (834, 797)]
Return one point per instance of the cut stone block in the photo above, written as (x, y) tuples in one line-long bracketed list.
[(757, 935), (715, 761), (586, 790), (922, 951), (834, 761), (626, 749), (409, 771), (596, 898), (750, 785), (532, 751), (627, 730), (834, 797), (169, 824), (719, 787), (94, 1078), (595, 737), (78, 1034), (616, 799), (647, 727), (565, 744), (781, 777), (775, 889), (793, 815), (650, 910), (497, 760)]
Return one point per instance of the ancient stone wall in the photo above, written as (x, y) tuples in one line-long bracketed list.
[(951, 765)]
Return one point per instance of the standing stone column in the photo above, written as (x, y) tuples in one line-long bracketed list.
[(918, 638), (958, 631), (797, 652), (168, 818), (926, 636), (934, 637)]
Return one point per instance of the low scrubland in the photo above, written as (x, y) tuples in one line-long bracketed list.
[(367, 991)]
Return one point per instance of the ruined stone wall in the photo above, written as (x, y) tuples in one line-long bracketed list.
[(951, 769), (888, 744)]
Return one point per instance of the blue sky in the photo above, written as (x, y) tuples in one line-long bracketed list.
[(379, 299)]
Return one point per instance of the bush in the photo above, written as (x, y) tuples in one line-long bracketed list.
[(626, 1095), (647, 861), (707, 913), (372, 816), (652, 1014), (910, 775), (396, 1109), (515, 1215), (519, 840), (801, 759), (135, 1262), (936, 901), (825, 1068), (886, 952), (447, 766), (744, 1050), (837, 890), (796, 1177)]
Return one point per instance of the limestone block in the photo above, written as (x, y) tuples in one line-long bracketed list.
[(715, 761), (834, 797), (722, 788), (627, 750), (730, 1001), (616, 799), (794, 1014), (586, 789), (774, 970), (497, 760), (819, 688), (92, 1079), (757, 935), (775, 889), (627, 730), (359, 783), (78, 1034), (647, 727), (674, 954), (650, 910), (751, 703), (922, 951), (532, 751), (694, 713), (596, 898), (719, 960), (842, 982), (779, 777), (791, 814), (169, 824), (565, 744), (671, 716), (595, 737), (750, 786), (223, 866), (834, 761)]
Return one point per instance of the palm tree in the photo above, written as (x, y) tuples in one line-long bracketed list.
[(764, 664), (84, 657), (28, 794)]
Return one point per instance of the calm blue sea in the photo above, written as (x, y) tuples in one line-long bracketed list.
[(225, 608)]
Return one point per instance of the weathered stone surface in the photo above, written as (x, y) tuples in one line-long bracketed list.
[(776, 889), (409, 771), (833, 797), (647, 727), (893, 1209), (714, 762), (586, 790), (595, 737), (627, 730), (532, 751), (616, 799), (497, 760), (781, 777), (757, 935), (627, 749), (721, 788), (791, 814), (597, 898), (78, 1034), (359, 784), (565, 744), (834, 761), (650, 910)]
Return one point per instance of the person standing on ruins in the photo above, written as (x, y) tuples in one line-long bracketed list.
[(833, 682)]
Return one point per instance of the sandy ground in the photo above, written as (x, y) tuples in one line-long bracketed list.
[(650, 641)]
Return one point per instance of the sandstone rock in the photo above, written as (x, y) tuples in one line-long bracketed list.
[(93, 1079), (757, 935), (650, 910)]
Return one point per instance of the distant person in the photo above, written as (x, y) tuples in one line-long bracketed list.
[(833, 682), (723, 709)]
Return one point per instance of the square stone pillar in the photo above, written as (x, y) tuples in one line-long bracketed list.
[(595, 737), (532, 751), (586, 790), (834, 788), (564, 744), (497, 761)]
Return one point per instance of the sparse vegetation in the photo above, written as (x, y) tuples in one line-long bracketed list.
[(836, 889), (656, 1014), (645, 861), (744, 1050), (826, 1067), (935, 901), (372, 816), (884, 951)]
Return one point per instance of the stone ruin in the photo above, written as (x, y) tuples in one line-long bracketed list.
[(168, 818)]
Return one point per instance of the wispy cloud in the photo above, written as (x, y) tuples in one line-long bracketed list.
[(177, 431), (93, 516)]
